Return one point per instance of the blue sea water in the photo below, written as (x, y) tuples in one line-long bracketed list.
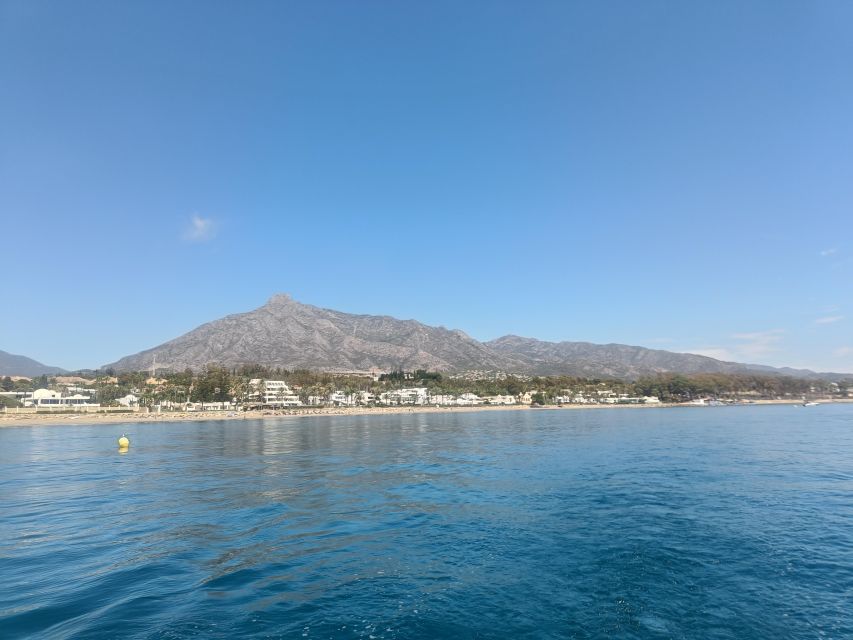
[(729, 522)]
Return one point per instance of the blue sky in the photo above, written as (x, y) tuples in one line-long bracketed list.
[(672, 175)]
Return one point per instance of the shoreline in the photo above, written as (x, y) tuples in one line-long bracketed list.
[(93, 419)]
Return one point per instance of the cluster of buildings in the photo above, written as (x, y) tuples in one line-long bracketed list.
[(603, 396), (277, 394), (73, 395)]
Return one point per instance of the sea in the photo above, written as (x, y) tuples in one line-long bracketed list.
[(704, 522)]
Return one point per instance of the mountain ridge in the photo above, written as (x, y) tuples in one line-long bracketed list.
[(293, 335), (17, 365), (586, 358)]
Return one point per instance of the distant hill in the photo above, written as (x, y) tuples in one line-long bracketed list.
[(623, 361), (289, 334), (613, 360), (12, 365)]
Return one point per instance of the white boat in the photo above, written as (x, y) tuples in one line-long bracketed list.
[(809, 403)]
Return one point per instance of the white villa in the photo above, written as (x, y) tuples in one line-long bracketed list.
[(341, 399), (526, 397), (54, 399), (130, 400)]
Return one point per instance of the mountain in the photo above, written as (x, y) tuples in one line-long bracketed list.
[(289, 334), (612, 360), (623, 361), (12, 365)]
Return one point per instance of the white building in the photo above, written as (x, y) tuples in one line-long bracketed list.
[(415, 396), (500, 400), (341, 399), (129, 400), (273, 393), (54, 399), (469, 400), (21, 396)]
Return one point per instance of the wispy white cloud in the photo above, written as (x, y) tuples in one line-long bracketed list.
[(200, 229), (751, 346), (844, 351), (829, 319), (828, 252), (758, 343)]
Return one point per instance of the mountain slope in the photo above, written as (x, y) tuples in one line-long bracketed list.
[(289, 334), (616, 360), (12, 365), (623, 361)]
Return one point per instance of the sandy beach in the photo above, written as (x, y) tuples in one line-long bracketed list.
[(12, 419)]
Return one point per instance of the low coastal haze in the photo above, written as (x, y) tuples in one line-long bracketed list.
[(676, 176)]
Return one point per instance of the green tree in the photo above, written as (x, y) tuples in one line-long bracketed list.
[(9, 402), (212, 385)]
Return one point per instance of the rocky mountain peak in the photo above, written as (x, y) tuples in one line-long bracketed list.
[(280, 300)]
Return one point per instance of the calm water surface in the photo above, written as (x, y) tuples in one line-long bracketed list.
[(731, 522)]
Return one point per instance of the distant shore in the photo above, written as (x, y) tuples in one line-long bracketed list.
[(11, 419)]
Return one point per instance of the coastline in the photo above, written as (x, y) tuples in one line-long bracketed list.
[(90, 419)]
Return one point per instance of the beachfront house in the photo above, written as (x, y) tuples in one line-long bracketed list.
[(272, 393), (469, 400), (416, 396), (49, 399), (130, 400), (341, 399), (208, 406), (526, 397)]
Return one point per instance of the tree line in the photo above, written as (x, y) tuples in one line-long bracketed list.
[(221, 384)]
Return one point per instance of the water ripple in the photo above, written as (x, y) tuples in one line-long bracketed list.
[(718, 523)]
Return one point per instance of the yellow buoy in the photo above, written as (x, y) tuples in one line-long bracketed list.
[(123, 442)]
